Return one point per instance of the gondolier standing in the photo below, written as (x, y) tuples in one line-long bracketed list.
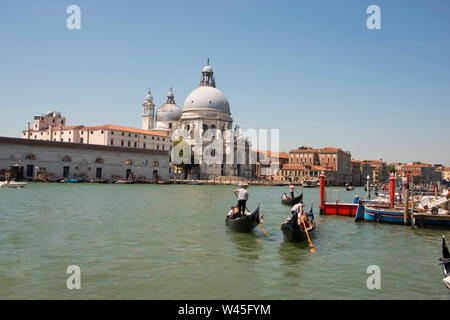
[(297, 209), (291, 190), (242, 195)]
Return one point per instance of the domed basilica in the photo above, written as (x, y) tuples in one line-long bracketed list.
[(205, 108)]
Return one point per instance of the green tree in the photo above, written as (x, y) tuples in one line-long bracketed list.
[(391, 168), (186, 164)]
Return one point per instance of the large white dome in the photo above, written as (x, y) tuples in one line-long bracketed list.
[(206, 97)]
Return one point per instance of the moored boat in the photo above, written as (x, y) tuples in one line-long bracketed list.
[(310, 183), (244, 224), (349, 188), (382, 213), (293, 232), (124, 182), (12, 184), (290, 201)]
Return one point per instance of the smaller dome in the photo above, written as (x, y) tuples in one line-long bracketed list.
[(169, 111)]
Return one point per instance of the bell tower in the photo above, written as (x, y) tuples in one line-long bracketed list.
[(148, 112)]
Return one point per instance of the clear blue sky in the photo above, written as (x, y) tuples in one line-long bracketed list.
[(310, 68)]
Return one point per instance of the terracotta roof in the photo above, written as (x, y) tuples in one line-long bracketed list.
[(419, 165), (323, 150), (446, 169), (127, 129), (273, 153), (373, 162)]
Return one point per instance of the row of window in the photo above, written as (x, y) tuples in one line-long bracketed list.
[(135, 145), (129, 135), (31, 156), (300, 173)]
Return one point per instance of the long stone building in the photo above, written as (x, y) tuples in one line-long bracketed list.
[(53, 160)]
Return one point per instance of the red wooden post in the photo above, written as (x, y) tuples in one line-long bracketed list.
[(391, 190), (322, 193)]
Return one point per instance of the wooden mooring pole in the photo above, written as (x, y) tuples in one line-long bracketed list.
[(406, 200), (368, 187)]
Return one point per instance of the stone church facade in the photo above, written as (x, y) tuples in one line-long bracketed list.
[(205, 123)]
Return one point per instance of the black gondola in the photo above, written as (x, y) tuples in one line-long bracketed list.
[(244, 224), (445, 260), (292, 232), (291, 202)]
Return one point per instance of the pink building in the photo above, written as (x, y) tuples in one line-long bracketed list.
[(51, 127)]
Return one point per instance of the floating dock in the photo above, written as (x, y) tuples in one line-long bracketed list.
[(335, 208)]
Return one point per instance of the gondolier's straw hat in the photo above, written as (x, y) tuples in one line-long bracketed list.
[(244, 185)]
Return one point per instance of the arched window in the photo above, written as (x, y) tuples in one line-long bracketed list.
[(99, 160), (128, 162), (205, 127), (66, 159), (30, 156)]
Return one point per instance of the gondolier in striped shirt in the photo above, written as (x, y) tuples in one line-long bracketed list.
[(242, 195)]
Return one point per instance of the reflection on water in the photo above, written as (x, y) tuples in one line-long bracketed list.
[(248, 245), (293, 253)]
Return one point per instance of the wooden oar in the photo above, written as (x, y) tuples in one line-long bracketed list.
[(307, 234), (259, 224)]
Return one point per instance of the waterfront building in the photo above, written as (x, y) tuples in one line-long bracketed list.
[(356, 172), (376, 170), (421, 173), (50, 127), (55, 160), (335, 162), (268, 163), (306, 163)]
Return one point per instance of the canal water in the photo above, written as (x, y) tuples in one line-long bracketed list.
[(170, 242)]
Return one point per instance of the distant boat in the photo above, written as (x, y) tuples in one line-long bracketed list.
[(310, 183), (124, 182), (12, 184), (349, 188), (290, 201), (73, 180), (195, 182)]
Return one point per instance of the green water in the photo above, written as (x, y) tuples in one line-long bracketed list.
[(170, 242)]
